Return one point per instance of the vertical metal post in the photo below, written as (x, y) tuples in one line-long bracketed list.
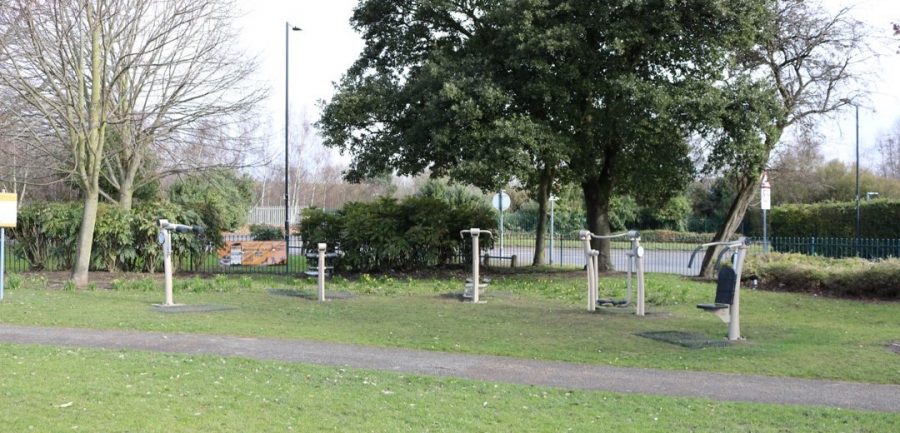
[(501, 222), (590, 265), (167, 265), (2, 260), (857, 180), (476, 278), (765, 233), (321, 273), (552, 201), (734, 324), (639, 259), (287, 167)]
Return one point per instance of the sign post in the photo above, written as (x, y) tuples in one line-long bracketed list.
[(552, 200), (8, 213), (765, 202)]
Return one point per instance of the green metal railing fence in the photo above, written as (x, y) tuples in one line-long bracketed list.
[(567, 251)]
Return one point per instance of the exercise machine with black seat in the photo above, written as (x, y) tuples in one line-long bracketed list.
[(727, 303)]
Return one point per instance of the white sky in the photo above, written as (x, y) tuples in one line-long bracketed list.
[(327, 46)]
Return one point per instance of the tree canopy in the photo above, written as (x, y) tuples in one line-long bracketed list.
[(606, 93)]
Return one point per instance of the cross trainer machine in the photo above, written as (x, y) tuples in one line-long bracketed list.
[(473, 287), (165, 239), (727, 305), (635, 265)]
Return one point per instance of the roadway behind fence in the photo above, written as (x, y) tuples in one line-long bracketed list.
[(567, 252)]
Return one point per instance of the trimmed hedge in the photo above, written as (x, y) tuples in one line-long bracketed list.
[(261, 232), (879, 220), (678, 237), (123, 241), (390, 235), (850, 277)]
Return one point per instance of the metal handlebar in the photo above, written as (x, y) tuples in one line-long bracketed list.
[(742, 242), (475, 232), (631, 234)]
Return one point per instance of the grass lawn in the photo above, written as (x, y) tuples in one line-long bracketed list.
[(53, 389), (537, 315)]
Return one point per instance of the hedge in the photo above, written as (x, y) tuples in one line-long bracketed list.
[(849, 277), (396, 235), (878, 220), (123, 240)]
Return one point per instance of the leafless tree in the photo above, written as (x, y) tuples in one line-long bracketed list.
[(58, 61), (113, 83), (187, 102), (889, 151), (810, 59)]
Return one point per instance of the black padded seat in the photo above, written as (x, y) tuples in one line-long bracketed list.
[(724, 291), (713, 307)]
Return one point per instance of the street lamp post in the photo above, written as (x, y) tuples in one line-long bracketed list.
[(857, 180), (287, 214)]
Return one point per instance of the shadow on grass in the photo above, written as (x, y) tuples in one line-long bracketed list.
[(309, 294), (684, 339)]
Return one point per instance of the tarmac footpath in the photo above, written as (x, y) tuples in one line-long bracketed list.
[(715, 386)]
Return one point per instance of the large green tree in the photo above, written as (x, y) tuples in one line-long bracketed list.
[(604, 94), (803, 67)]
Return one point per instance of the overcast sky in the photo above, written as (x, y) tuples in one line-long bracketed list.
[(327, 46)]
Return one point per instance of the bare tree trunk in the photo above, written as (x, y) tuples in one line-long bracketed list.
[(90, 158), (543, 196), (730, 225), (85, 240), (597, 191)]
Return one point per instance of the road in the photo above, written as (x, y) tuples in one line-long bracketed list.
[(662, 261)]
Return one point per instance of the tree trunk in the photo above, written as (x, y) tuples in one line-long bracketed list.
[(126, 193), (732, 222), (543, 196), (597, 191), (85, 239)]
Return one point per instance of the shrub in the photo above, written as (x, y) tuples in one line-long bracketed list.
[(123, 240), (851, 277), (266, 233), (675, 236), (222, 198), (418, 231), (879, 220)]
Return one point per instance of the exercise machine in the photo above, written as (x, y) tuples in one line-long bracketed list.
[(635, 257), (475, 284), (324, 265), (165, 240), (727, 305)]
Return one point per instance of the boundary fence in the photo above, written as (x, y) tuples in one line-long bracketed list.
[(567, 252)]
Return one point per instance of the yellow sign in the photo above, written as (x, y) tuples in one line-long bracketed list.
[(8, 210)]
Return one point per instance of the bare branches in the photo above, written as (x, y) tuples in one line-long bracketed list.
[(812, 57)]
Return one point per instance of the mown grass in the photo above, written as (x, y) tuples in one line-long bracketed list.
[(540, 316), (58, 389)]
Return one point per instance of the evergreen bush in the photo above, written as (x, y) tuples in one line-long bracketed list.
[(123, 240), (416, 232)]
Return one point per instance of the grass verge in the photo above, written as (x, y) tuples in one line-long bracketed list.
[(49, 389), (539, 316)]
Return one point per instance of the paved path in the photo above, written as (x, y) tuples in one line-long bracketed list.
[(716, 386)]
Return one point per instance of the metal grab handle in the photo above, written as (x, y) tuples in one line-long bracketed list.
[(742, 242), (478, 232), (631, 234)]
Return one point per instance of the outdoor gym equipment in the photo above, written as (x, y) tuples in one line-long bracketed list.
[(727, 305), (473, 287), (165, 239), (635, 265), (325, 265)]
